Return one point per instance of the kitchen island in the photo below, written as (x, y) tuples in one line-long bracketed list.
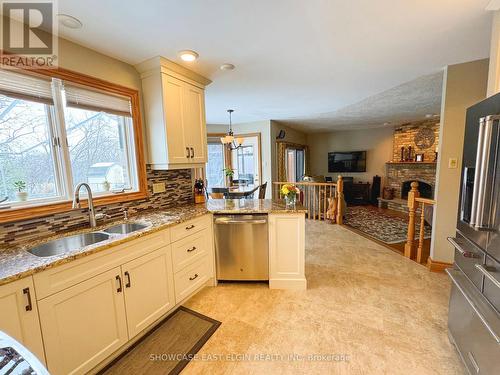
[(286, 236)]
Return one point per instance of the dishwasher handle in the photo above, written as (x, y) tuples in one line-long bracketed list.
[(235, 221)]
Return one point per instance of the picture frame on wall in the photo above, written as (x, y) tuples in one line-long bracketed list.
[(419, 157)]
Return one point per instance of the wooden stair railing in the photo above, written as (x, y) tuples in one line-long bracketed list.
[(323, 200), (414, 204)]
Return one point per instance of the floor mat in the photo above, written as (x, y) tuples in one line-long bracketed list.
[(168, 348), (381, 226)]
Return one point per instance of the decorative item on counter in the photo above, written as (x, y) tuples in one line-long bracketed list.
[(21, 194), (388, 193), (199, 191), (436, 155), (419, 157), (402, 154), (106, 185), (229, 172), (290, 192)]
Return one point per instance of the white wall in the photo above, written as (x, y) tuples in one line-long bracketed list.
[(463, 85), (376, 142), (262, 127)]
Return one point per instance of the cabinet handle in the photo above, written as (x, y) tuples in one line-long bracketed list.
[(29, 306), (192, 249), (127, 284), (192, 152), (119, 279), (190, 227), (194, 277), (188, 152)]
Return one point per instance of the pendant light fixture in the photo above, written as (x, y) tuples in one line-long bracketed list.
[(229, 140)]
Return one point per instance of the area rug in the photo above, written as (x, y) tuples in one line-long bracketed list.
[(168, 348), (381, 226)]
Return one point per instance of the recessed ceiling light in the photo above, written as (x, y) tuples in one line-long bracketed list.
[(227, 66), (69, 21), (188, 55)]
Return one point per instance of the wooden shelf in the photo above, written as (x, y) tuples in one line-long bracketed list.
[(411, 162)]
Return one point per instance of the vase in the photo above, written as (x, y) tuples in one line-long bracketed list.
[(22, 196), (290, 201)]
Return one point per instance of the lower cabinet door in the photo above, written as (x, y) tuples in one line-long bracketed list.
[(84, 324), (19, 315), (149, 289)]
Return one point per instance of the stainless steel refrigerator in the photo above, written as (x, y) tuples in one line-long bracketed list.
[(474, 315)]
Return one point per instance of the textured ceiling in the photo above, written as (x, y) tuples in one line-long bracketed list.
[(407, 102), (295, 59)]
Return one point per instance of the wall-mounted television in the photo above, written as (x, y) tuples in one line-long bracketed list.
[(352, 161)]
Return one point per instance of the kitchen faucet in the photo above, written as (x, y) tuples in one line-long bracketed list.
[(76, 203)]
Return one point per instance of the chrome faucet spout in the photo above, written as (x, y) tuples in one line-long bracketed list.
[(76, 202)]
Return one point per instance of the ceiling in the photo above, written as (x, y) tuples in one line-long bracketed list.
[(316, 64)]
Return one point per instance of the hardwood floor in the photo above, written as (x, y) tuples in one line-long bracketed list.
[(397, 247)]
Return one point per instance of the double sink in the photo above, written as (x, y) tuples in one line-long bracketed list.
[(78, 241)]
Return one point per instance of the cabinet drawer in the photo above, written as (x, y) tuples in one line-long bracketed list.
[(467, 255), (190, 249), (189, 227), (191, 278), (59, 278)]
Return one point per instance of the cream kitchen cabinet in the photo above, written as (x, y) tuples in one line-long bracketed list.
[(84, 324), (287, 251), (19, 315), (174, 104), (149, 289)]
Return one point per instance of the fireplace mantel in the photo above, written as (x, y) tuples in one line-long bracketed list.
[(411, 162)]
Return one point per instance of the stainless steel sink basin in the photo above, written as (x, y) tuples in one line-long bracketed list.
[(125, 228), (65, 244)]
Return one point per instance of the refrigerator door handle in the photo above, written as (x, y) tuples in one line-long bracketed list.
[(484, 177), (477, 171)]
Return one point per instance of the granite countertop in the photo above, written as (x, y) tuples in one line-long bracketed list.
[(16, 262), (251, 206)]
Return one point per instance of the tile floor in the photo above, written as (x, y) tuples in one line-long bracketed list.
[(381, 311)]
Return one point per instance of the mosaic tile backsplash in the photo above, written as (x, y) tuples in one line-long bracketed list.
[(178, 191)]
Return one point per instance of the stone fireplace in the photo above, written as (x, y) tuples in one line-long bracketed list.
[(400, 174)]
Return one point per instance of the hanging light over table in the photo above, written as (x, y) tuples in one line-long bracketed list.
[(229, 140)]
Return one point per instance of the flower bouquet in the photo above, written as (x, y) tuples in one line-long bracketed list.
[(290, 193)]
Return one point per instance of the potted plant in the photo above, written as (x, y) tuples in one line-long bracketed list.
[(21, 194), (290, 192), (229, 172)]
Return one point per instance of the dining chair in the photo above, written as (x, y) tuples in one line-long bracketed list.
[(262, 190)]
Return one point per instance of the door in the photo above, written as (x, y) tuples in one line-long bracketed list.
[(246, 161), (84, 324), (19, 315), (149, 289), (173, 102), (215, 163), (295, 164), (195, 133)]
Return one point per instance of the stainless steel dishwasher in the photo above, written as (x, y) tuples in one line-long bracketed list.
[(242, 247)]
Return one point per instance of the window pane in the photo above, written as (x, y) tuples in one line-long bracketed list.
[(101, 149), (215, 164), (246, 163), (26, 154)]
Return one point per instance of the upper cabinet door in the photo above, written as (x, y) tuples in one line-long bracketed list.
[(19, 315), (173, 103), (195, 133), (149, 289)]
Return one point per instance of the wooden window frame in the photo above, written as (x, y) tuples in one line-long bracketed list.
[(35, 211)]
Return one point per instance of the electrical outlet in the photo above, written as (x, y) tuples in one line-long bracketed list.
[(452, 163), (158, 187)]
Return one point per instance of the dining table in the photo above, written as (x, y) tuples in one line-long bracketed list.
[(237, 191)]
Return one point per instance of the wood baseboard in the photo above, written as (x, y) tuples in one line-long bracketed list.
[(435, 266)]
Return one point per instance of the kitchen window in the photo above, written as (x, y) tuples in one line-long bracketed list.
[(56, 133)]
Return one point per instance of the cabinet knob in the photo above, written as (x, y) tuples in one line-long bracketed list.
[(188, 152), (194, 277), (119, 279), (192, 249)]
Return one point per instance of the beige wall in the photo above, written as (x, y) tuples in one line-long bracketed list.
[(494, 67), (377, 143), (463, 85), (262, 127)]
